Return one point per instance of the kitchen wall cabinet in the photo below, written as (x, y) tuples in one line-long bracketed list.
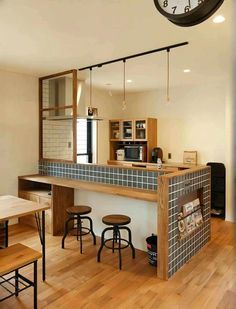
[(133, 131)]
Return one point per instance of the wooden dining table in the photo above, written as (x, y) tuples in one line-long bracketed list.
[(12, 207)]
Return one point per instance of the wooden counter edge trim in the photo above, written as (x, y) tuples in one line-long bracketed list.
[(165, 166), (146, 195), (185, 172), (162, 227), (136, 166)]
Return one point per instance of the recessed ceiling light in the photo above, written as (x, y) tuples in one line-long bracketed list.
[(187, 71), (129, 81), (218, 19)]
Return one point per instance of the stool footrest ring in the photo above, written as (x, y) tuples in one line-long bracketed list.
[(117, 248)]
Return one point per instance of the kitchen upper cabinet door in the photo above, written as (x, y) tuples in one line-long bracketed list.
[(140, 130), (115, 130), (127, 130)]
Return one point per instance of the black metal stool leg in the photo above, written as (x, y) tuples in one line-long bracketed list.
[(77, 229), (116, 238), (80, 234), (130, 239), (130, 242), (119, 241), (102, 244), (35, 286), (91, 230), (66, 232), (113, 240)]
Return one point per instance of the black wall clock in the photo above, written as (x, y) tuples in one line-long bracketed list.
[(187, 13)]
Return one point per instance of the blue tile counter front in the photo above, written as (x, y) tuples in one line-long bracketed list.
[(180, 251), (119, 176)]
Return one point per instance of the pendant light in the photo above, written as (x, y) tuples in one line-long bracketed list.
[(90, 88), (92, 113), (168, 77), (124, 107)]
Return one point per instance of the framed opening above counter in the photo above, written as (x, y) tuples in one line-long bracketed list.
[(58, 117)]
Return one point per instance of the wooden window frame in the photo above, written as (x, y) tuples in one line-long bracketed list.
[(74, 117)]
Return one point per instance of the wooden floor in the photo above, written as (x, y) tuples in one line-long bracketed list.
[(78, 281)]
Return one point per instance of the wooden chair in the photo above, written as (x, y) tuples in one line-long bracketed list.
[(12, 259)]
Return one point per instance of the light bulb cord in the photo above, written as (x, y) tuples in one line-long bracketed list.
[(90, 90), (124, 84), (168, 76)]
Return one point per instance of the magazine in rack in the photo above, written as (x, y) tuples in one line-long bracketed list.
[(190, 217)]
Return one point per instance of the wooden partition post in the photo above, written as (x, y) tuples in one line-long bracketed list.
[(162, 223)]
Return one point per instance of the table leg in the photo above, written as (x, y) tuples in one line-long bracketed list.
[(43, 246), (6, 234), (41, 231)]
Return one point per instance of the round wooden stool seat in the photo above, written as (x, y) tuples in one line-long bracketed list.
[(116, 220), (78, 210)]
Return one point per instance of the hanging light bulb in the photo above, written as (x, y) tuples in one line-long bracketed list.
[(90, 89), (124, 107)]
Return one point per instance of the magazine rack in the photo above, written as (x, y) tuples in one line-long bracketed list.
[(196, 216)]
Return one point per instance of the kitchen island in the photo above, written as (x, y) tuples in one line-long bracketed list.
[(168, 191)]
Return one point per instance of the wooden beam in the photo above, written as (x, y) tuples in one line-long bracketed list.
[(162, 227)]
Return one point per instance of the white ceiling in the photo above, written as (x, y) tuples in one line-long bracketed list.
[(48, 36)]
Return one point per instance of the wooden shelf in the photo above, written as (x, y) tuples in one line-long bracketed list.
[(146, 195), (148, 136), (37, 191)]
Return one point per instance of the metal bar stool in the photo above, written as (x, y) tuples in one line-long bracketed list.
[(76, 213), (118, 223)]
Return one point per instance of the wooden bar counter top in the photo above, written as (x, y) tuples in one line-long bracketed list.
[(140, 194)]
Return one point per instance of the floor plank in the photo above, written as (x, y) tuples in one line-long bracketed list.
[(208, 281)]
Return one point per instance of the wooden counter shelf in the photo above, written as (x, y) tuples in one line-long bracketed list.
[(36, 188), (167, 168), (140, 194)]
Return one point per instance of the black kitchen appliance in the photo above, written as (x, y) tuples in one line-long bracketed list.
[(157, 154), (135, 153), (218, 174)]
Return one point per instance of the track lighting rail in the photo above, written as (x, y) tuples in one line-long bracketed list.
[(167, 48)]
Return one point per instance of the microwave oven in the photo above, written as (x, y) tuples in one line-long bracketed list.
[(135, 153)]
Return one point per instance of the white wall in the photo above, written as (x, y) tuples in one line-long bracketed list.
[(194, 119), (231, 124), (143, 214), (18, 128)]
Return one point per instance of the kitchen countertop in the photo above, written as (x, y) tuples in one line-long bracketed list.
[(140, 194), (166, 167)]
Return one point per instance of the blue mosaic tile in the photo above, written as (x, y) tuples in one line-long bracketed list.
[(102, 174)]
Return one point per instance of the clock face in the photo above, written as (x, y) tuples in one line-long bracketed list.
[(178, 7)]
